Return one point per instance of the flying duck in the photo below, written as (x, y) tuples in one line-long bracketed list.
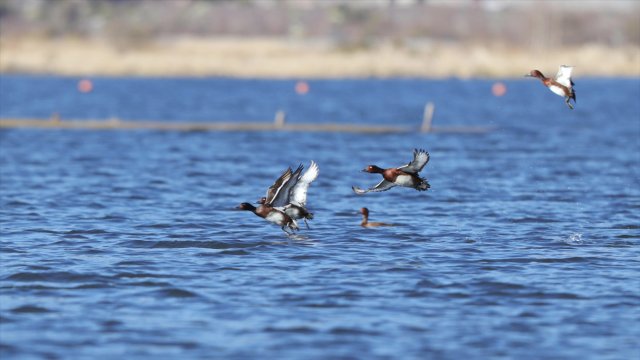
[(406, 176), (562, 85)]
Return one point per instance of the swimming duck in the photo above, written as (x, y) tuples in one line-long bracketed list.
[(365, 220), (406, 176), (562, 85), (268, 212), (292, 195)]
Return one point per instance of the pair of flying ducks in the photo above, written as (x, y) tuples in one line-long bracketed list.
[(285, 201)]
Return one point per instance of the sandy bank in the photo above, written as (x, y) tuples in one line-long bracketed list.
[(281, 58)]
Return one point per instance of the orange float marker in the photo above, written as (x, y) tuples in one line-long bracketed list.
[(302, 87), (499, 89), (85, 86)]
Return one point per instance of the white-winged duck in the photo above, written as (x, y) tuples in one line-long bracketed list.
[(292, 196), (562, 85), (406, 176)]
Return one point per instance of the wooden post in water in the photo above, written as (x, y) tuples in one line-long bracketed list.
[(427, 118), (280, 119)]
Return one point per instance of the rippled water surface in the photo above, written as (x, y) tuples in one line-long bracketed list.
[(124, 243)]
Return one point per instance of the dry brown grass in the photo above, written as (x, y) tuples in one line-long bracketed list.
[(281, 58)]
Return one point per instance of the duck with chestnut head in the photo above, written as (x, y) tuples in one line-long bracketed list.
[(268, 212), (406, 176), (291, 198), (561, 85), (365, 220)]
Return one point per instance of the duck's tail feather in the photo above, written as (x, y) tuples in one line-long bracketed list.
[(424, 185)]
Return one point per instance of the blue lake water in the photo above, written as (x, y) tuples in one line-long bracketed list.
[(124, 244)]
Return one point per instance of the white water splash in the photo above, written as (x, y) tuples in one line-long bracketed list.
[(574, 239)]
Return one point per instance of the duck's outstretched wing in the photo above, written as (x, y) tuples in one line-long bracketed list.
[(274, 189), (564, 76), (283, 195), (383, 185), (299, 191), (420, 159)]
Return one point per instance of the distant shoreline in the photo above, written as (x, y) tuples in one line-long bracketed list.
[(280, 58)]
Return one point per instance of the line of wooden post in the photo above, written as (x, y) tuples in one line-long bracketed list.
[(427, 117), (280, 119), (279, 123)]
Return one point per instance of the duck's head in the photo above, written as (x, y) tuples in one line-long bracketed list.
[(535, 74), (364, 211), (262, 201), (373, 169), (246, 206)]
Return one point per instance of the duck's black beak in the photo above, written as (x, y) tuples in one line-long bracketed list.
[(527, 75), (258, 202), (364, 170)]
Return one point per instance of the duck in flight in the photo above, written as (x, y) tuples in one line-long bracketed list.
[(562, 85), (406, 175), (365, 220), (291, 196), (268, 212)]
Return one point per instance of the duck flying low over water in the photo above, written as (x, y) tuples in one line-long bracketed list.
[(406, 176), (268, 212), (365, 220), (291, 197), (562, 85)]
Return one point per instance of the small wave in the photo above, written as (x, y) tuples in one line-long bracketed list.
[(113, 218), (134, 263), (38, 267), (353, 331), (533, 220), (17, 203), (227, 268), (294, 330), (628, 236), (574, 259), (621, 244), (95, 205), (192, 174), (6, 250), (62, 276), (149, 283), (155, 226), (307, 257), (30, 309), (497, 285), (627, 227), (44, 231), (176, 292), (128, 275), (164, 244), (92, 286), (76, 236), (543, 295), (87, 232), (137, 197), (234, 252)]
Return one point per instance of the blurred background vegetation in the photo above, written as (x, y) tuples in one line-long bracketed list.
[(318, 38)]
